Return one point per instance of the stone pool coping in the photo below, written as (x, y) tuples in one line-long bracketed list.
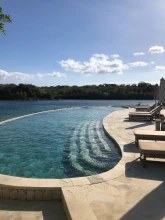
[(49, 189)]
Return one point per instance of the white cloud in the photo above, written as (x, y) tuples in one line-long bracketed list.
[(138, 64), (15, 75), (98, 63), (138, 53), (56, 74), (115, 56), (4, 75), (25, 76), (156, 49), (39, 76), (160, 68), (103, 56), (21, 76), (71, 65), (152, 62)]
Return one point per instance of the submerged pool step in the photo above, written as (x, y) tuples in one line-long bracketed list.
[(93, 142), (74, 151), (106, 146), (88, 148), (84, 151)]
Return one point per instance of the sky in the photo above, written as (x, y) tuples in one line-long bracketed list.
[(83, 42)]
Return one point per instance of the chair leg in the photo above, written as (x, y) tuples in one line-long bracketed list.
[(136, 141), (144, 161)]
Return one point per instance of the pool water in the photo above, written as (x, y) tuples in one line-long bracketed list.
[(59, 144)]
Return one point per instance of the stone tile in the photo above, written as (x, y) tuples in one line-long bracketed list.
[(77, 204), (64, 182), (101, 186), (80, 181), (106, 175), (95, 179)]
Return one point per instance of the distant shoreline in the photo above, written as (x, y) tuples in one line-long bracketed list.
[(140, 91), (76, 99)]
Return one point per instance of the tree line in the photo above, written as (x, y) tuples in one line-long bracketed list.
[(142, 90)]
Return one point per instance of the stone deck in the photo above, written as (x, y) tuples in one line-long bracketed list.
[(31, 210), (128, 191)]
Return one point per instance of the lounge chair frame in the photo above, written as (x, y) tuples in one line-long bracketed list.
[(145, 116), (145, 108), (155, 149), (148, 135)]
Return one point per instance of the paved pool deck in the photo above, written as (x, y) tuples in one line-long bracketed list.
[(128, 191)]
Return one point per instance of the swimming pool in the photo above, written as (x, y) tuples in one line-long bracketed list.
[(58, 144)]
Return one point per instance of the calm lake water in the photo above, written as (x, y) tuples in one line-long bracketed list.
[(68, 142), (10, 109)]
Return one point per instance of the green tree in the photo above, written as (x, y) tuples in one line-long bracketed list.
[(3, 19)]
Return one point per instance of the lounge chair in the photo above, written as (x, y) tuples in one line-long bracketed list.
[(152, 149), (145, 108), (151, 111), (153, 106), (148, 135), (145, 115)]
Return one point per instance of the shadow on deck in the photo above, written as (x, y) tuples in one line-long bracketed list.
[(41, 210)]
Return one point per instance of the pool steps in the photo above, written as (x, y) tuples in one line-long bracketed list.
[(106, 146), (82, 134), (95, 147)]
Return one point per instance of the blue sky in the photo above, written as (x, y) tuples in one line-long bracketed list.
[(73, 42)]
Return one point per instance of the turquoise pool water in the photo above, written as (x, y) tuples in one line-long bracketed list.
[(59, 144)]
